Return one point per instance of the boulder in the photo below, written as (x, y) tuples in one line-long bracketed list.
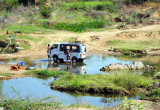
[(132, 66)]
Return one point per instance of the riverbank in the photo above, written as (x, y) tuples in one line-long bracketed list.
[(122, 83)]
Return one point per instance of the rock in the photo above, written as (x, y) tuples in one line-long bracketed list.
[(20, 48), (132, 66), (118, 19), (139, 65), (2, 77), (156, 85)]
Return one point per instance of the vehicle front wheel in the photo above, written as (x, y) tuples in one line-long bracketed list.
[(74, 60), (55, 58)]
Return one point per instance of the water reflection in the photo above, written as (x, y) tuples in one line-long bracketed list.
[(91, 65)]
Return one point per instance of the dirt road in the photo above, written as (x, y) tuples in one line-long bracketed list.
[(95, 41)]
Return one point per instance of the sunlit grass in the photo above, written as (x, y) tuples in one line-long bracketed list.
[(133, 45), (121, 81), (46, 73)]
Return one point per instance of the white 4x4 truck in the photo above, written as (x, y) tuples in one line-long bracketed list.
[(58, 52)]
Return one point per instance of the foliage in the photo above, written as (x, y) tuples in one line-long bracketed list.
[(121, 81), (89, 5), (47, 73), (130, 105), (79, 27), (8, 4), (20, 103), (44, 9), (154, 94)]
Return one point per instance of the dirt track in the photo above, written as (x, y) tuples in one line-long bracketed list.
[(95, 41)]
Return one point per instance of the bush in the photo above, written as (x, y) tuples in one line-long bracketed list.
[(11, 4), (44, 9), (8, 4), (79, 27)]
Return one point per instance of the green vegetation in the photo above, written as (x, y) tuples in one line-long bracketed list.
[(28, 104), (46, 73), (6, 74), (154, 94), (90, 5), (8, 4), (79, 27), (20, 103), (130, 45), (130, 105), (27, 29), (100, 82), (45, 11)]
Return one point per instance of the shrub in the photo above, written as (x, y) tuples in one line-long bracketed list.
[(154, 93), (79, 27), (9, 4), (44, 9)]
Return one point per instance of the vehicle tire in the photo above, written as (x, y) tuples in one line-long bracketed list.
[(80, 60), (61, 60), (55, 58), (74, 60)]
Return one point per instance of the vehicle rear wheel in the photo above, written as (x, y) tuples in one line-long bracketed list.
[(55, 58), (74, 60)]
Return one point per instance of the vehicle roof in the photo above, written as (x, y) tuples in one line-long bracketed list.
[(71, 44)]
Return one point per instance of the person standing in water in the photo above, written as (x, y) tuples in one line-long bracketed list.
[(48, 51), (68, 52)]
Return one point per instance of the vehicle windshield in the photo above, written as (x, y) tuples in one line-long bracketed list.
[(83, 49)]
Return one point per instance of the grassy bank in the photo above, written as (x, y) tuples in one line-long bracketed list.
[(46, 73), (153, 95), (115, 83), (133, 47)]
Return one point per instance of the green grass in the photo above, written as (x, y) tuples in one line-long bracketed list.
[(80, 27), (27, 29), (4, 36), (103, 5), (30, 38), (154, 94), (122, 81), (6, 74), (46, 73), (133, 45)]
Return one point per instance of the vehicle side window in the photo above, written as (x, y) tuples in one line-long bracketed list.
[(68, 47), (75, 49), (55, 46), (62, 48)]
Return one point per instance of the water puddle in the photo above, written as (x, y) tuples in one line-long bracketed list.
[(40, 88)]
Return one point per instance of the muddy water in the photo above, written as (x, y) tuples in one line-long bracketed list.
[(40, 88)]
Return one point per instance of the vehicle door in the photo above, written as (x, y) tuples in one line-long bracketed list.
[(75, 51), (62, 54), (54, 50)]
